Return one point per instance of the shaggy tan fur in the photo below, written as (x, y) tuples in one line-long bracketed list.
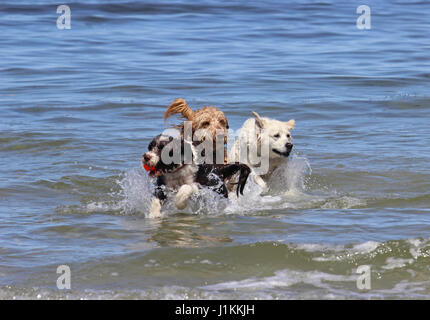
[(179, 106), (209, 118)]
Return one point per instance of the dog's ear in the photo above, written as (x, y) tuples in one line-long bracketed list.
[(290, 124), (179, 106), (258, 120)]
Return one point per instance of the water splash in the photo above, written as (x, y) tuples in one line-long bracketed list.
[(136, 191), (290, 176), (289, 189)]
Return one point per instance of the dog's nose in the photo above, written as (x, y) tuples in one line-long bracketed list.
[(289, 146), (146, 157)]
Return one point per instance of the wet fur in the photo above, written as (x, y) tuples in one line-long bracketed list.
[(279, 148), (209, 118), (186, 179)]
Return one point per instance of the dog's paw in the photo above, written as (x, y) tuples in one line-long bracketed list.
[(155, 209), (181, 198)]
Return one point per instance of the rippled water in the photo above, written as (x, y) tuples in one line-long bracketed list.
[(79, 107)]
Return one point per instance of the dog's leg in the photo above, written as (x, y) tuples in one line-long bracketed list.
[(184, 193), (155, 208), (159, 197), (259, 180), (243, 176)]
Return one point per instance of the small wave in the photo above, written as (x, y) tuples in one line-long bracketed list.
[(384, 255), (283, 279), (33, 142), (399, 269), (344, 202), (416, 201)]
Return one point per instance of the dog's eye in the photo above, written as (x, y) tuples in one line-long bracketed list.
[(288, 136), (224, 123), (205, 124), (162, 144), (276, 136)]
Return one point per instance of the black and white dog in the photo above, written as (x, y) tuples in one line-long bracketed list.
[(186, 177)]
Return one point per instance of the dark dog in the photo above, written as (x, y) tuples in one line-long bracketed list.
[(184, 175)]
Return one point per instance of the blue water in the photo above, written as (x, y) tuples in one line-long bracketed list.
[(79, 107)]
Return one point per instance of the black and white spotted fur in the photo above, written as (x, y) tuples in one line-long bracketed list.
[(185, 178)]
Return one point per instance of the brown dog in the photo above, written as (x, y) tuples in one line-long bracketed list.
[(209, 118)]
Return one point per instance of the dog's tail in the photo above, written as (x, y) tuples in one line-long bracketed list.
[(230, 171), (243, 176), (179, 106)]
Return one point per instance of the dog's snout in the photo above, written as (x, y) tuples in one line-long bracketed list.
[(289, 146), (146, 157)]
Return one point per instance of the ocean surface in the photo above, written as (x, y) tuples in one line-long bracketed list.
[(79, 107)]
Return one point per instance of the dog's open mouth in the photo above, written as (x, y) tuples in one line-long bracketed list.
[(283, 154), (153, 171)]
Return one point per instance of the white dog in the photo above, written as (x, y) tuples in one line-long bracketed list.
[(259, 134)]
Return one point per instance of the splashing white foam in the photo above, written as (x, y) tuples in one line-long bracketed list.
[(287, 190), (136, 191), (283, 279), (290, 176)]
